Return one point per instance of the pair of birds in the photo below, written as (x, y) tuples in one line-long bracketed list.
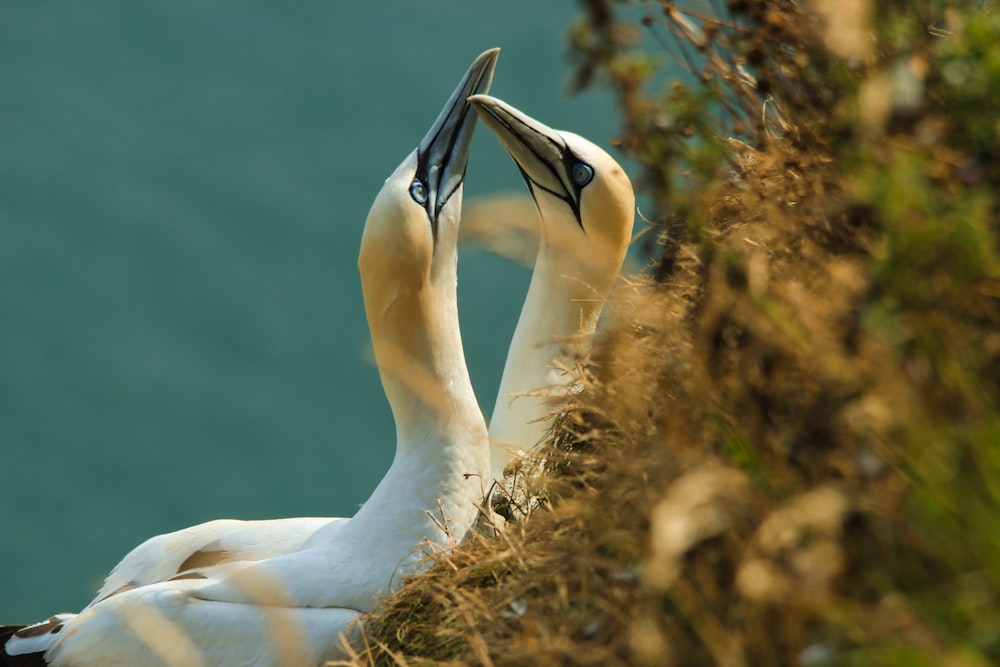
[(286, 591)]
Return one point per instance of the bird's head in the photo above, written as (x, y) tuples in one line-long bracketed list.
[(411, 232), (584, 198)]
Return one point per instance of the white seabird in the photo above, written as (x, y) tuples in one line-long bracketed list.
[(586, 205), (282, 592)]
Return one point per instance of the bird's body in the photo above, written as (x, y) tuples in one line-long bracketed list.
[(585, 203), (164, 556), (283, 592), (176, 622)]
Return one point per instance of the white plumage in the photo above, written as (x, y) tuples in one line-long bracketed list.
[(282, 592), (586, 205)]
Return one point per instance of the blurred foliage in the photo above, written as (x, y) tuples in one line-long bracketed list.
[(787, 450)]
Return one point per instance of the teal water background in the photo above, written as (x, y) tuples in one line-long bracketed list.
[(182, 192)]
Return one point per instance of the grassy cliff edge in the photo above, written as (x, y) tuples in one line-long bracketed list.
[(787, 446)]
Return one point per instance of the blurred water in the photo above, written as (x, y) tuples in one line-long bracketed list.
[(182, 193)]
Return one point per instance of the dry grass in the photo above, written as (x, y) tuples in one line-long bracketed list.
[(788, 444)]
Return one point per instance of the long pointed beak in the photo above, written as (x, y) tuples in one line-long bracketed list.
[(539, 151), (443, 153)]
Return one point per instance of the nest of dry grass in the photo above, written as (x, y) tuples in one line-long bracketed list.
[(788, 444)]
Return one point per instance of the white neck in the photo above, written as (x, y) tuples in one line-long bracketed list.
[(441, 460), (557, 319)]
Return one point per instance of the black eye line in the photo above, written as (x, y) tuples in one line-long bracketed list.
[(567, 156), (562, 150), (447, 196), (421, 175), (532, 184)]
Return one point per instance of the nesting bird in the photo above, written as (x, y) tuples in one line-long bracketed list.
[(284, 592), (586, 206)]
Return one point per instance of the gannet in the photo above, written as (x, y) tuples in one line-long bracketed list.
[(283, 592), (586, 205)]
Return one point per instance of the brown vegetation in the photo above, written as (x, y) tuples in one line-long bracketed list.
[(787, 450)]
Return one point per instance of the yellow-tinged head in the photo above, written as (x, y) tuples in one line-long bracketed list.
[(584, 198), (410, 236)]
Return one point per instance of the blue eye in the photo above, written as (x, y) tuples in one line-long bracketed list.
[(582, 173), (419, 192)]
